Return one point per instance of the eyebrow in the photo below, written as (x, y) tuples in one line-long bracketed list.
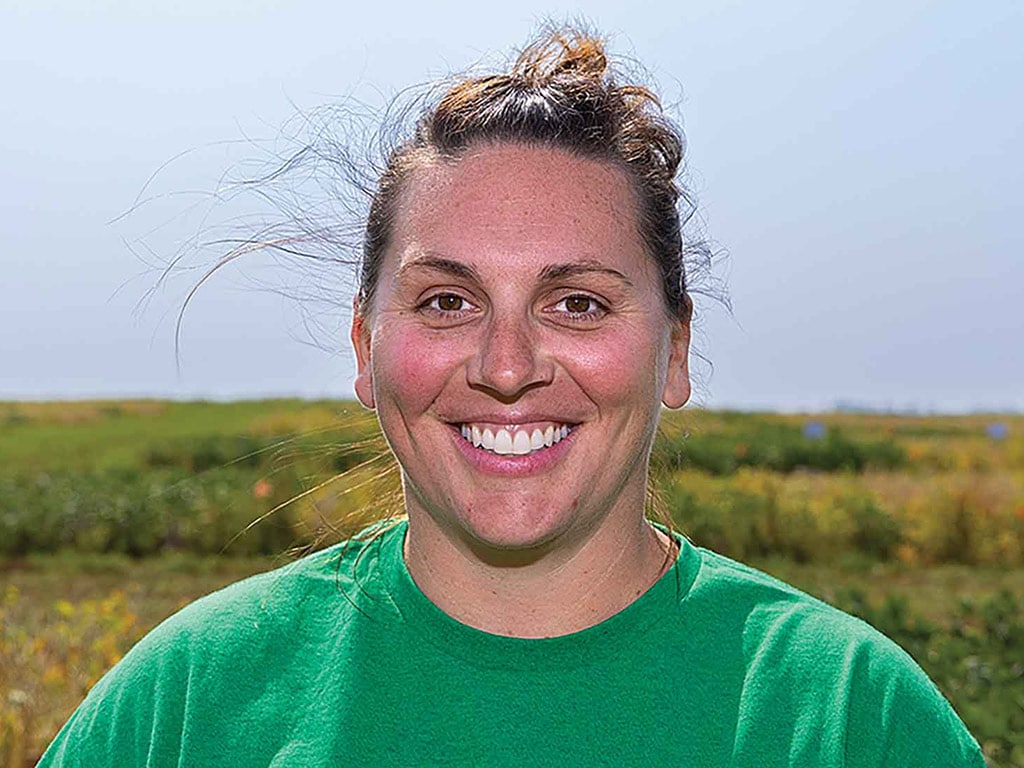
[(550, 273), (577, 268), (440, 264)]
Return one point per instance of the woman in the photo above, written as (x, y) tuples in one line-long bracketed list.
[(522, 317)]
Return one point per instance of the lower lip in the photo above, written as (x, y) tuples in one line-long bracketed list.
[(513, 465)]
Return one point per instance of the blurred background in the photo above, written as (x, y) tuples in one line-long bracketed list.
[(857, 165)]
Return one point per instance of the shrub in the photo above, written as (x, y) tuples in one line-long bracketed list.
[(211, 452), (141, 513), (779, 448)]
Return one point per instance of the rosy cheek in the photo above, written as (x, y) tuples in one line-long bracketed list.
[(412, 366), (616, 368)]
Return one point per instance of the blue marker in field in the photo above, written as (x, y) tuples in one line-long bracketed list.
[(997, 430), (814, 430)]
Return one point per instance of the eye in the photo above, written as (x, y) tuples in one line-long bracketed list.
[(446, 306), (580, 306), (447, 302)]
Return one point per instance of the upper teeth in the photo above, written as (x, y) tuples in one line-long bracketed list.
[(518, 442)]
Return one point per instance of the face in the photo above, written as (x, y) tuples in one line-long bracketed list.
[(518, 348)]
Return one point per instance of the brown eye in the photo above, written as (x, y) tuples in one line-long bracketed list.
[(449, 302), (578, 304)]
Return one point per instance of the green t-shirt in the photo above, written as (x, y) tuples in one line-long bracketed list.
[(340, 660)]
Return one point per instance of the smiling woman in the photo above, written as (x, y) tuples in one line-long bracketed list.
[(523, 315), (516, 299)]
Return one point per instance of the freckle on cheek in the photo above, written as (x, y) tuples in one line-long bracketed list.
[(409, 370)]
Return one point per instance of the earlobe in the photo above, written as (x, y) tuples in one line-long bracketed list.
[(677, 380), (360, 335)]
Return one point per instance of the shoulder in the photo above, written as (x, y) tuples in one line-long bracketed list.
[(271, 611), (261, 605), (221, 655), (784, 630), (807, 667), (770, 613)]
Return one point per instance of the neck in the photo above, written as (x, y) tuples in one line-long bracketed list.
[(559, 591)]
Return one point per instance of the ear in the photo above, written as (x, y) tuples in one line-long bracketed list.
[(360, 335), (677, 380)]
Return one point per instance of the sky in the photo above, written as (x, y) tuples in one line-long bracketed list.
[(858, 166)]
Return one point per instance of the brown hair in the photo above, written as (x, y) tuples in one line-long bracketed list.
[(561, 92)]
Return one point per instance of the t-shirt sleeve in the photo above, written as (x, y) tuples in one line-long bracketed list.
[(133, 716), (899, 719), (169, 695)]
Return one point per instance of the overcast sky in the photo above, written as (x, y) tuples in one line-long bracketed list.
[(860, 163)]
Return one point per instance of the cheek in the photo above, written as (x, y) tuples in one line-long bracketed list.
[(620, 368), (410, 368)]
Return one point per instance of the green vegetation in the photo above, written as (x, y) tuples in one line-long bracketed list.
[(147, 478), (113, 515), (777, 447)]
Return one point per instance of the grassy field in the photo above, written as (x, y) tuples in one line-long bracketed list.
[(114, 515)]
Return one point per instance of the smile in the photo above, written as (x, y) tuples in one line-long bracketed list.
[(514, 442)]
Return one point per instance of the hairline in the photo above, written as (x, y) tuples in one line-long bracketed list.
[(420, 158)]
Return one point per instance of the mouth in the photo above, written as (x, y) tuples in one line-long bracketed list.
[(515, 439)]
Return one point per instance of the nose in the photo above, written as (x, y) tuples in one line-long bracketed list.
[(509, 360)]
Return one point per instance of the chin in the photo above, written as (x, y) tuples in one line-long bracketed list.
[(521, 535)]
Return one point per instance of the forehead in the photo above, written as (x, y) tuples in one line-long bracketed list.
[(519, 204)]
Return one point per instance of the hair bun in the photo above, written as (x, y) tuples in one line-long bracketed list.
[(562, 52)]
